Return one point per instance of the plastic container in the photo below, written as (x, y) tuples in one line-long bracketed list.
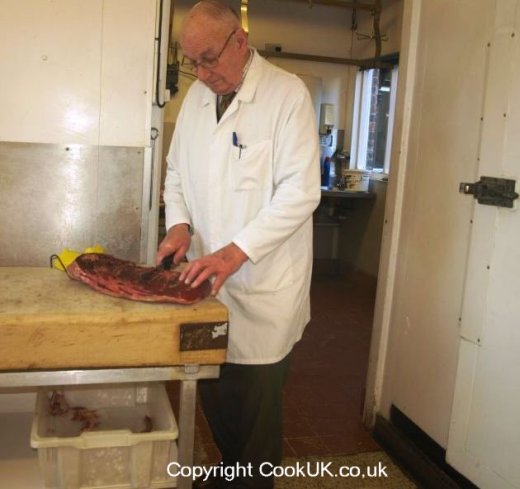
[(115, 454), (356, 180)]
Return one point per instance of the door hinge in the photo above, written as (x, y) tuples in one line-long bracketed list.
[(491, 191)]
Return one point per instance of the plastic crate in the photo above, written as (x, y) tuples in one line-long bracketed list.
[(115, 454)]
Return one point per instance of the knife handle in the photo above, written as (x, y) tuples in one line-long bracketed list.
[(166, 262)]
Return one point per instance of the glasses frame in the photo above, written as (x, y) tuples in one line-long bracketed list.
[(209, 63)]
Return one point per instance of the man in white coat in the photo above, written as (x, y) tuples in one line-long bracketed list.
[(241, 186)]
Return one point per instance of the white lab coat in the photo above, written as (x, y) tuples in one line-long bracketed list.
[(261, 196)]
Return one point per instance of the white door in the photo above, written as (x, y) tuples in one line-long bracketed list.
[(447, 321), (441, 85), (484, 439)]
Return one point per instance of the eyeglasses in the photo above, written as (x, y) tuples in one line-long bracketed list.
[(207, 63)]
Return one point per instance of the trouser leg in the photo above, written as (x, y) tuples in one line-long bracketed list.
[(244, 410)]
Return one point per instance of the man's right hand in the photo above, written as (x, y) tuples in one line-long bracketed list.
[(176, 242)]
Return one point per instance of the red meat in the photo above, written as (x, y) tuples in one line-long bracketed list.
[(125, 279)]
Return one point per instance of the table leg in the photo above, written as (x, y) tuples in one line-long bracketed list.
[(187, 404)]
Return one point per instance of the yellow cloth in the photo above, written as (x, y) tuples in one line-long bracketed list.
[(67, 256)]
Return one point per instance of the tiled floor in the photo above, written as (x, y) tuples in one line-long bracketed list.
[(325, 391)]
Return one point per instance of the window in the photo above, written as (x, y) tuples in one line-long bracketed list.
[(373, 119)]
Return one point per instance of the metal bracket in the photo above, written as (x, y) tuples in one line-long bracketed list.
[(203, 336), (499, 192)]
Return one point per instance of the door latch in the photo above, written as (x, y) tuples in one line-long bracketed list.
[(491, 191)]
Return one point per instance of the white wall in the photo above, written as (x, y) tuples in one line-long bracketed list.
[(69, 78)]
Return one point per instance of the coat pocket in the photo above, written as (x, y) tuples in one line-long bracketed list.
[(251, 166)]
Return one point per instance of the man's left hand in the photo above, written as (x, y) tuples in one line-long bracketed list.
[(220, 265)]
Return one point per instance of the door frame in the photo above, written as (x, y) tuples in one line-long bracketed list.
[(393, 213)]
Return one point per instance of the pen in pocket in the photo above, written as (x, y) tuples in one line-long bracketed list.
[(237, 144)]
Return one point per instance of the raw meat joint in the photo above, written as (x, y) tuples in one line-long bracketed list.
[(125, 279)]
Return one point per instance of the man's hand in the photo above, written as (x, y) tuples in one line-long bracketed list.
[(176, 242), (219, 265)]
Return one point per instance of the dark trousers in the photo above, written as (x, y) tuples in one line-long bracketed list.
[(244, 410)]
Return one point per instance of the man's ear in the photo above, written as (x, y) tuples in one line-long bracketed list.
[(241, 37)]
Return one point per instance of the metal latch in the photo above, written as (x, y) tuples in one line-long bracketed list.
[(491, 191)]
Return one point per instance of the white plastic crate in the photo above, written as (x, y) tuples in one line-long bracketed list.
[(115, 454)]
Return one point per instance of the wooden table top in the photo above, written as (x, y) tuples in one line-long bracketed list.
[(49, 321)]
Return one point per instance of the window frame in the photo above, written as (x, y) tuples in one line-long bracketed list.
[(361, 119)]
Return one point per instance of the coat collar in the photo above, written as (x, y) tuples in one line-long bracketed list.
[(247, 91)]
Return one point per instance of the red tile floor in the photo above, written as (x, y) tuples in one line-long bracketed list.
[(325, 390)]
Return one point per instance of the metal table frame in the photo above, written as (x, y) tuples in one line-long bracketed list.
[(186, 374)]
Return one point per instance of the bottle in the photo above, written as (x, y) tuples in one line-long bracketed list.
[(340, 171), (325, 172), (332, 174)]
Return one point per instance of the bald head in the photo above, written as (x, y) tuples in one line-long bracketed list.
[(211, 15), (212, 38)]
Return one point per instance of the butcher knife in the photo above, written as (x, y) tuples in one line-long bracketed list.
[(165, 264)]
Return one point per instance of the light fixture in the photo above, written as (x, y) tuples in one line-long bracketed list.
[(244, 4)]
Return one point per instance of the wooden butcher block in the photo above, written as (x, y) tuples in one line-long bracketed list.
[(48, 321)]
